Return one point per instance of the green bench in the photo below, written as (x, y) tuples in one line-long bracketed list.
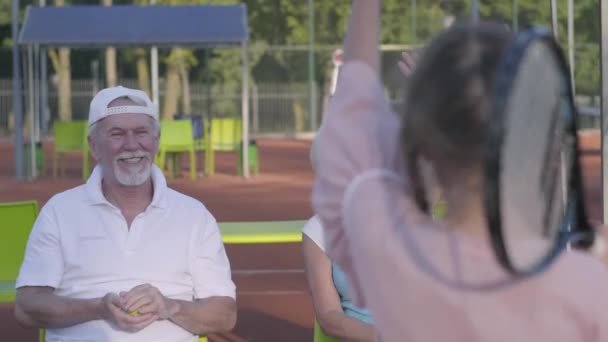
[(261, 232)]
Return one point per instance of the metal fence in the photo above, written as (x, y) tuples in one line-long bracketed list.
[(274, 107)]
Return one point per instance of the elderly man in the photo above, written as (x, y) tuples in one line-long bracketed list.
[(123, 257)]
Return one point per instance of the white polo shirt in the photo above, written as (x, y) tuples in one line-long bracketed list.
[(81, 246)]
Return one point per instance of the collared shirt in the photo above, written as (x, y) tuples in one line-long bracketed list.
[(81, 246), (422, 280)]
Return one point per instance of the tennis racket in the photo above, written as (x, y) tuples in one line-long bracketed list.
[(533, 188)]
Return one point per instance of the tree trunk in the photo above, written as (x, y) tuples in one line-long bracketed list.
[(111, 77), (143, 73), (171, 86), (186, 99), (65, 85), (64, 79)]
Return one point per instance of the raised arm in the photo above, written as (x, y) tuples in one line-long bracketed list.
[(359, 132), (363, 35)]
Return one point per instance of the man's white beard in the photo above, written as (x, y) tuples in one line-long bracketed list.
[(135, 175)]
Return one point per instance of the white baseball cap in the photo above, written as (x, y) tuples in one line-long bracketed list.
[(99, 105)]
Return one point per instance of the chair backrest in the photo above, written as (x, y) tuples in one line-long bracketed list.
[(226, 133), (175, 134), (70, 135), (17, 220), (319, 335), (198, 124)]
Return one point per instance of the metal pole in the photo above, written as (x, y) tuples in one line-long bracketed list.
[(154, 71), (515, 15), (475, 11), (255, 110), (245, 110), (604, 103), (36, 94), (30, 109), (17, 93), (571, 43), (554, 18), (414, 23), (44, 91), (95, 75), (311, 66)]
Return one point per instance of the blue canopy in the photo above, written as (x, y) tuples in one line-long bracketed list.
[(127, 26), (101, 26)]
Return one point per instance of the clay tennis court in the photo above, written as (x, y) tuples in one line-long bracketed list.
[(272, 295)]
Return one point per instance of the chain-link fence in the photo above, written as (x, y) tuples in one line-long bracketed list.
[(279, 89), (274, 107)]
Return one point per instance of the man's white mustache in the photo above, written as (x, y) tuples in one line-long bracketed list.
[(136, 154)]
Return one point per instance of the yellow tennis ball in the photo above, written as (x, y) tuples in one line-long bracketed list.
[(134, 312)]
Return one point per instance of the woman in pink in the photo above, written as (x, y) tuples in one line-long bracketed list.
[(428, 281)]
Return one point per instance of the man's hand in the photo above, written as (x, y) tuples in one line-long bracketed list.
[(111, 311), (147, 299)]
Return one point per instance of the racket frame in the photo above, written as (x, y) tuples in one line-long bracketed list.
[(574, 228)]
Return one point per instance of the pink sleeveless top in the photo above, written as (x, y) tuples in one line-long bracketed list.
[(424, 282)]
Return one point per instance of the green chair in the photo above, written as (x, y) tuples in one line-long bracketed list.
[(254, 158), (176, 138), (71, 136), (319, 335), (17, 221), (226, 133), (201, 138)]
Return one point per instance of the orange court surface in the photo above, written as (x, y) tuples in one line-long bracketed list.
[(272, 295)]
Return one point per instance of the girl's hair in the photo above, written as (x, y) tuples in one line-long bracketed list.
[(448, 100)]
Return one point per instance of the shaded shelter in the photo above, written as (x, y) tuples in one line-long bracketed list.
[(121, 26)]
